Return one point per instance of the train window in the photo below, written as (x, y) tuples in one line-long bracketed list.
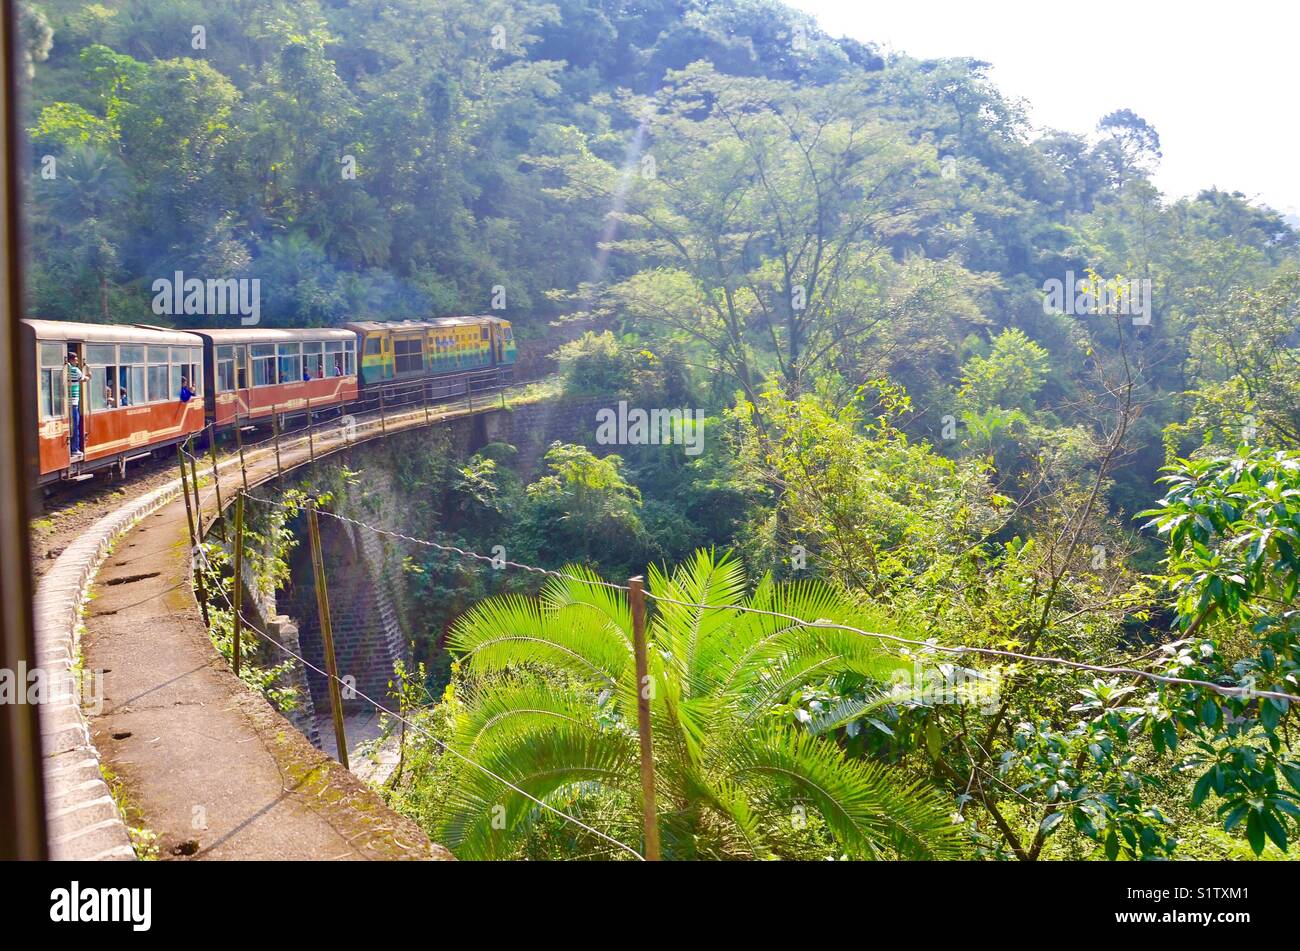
[(103, 387), (409, 355), (313, 359), (101, 354), (101, 362), (290, 355), (52, 354), (372, 345), (196, 370), (130, 385), (334, 358), (225, 369), (51, 379), (484, 334), (159, 388), (131, 375), (263, 364)]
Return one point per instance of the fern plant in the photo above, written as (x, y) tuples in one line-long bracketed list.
[(547, 700)]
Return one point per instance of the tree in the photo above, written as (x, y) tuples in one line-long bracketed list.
[(584, 504), (765, 206), (548, 701), (1131, 146), (1244, 367), (1009, 377)]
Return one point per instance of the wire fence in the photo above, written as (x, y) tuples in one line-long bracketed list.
[(924, 645), (419, 728)]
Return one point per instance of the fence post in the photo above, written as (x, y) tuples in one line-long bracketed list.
[(185, 490), (383, 428), (239, 441), (198, 503), (216, 479), (327, 634), (194, 538), (424, 397), (644, 689), (469, 390), (239, 578), (275, 429), (311, 442)]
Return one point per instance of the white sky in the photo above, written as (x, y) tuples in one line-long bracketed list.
[(1218, 80)]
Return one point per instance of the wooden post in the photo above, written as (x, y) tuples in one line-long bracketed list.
[(275, 430), (469, 391), (198, 504), (311, 443), (644, 688), (239, 578), (185, 490), (216, 479), (194, 538), (424, 397), (382, 427), (327, 634), (239, 441)]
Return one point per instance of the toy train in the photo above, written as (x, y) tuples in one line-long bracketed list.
[(147, 388)]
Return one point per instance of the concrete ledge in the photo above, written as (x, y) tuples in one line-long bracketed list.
[(84, 821)]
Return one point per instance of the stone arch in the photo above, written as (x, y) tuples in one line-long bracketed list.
[(368, 638)]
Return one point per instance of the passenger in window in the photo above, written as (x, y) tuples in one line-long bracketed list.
[(338, 367), (122, 398), (110, 397), (186, 392)]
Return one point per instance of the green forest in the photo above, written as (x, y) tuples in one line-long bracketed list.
[(980, 390)]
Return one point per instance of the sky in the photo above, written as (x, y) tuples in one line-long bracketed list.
[(1218, 80)]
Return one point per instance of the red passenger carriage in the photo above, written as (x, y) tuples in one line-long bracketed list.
[(252, 373), (130, 401)]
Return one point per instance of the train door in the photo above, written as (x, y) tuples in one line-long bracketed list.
[(78, 385)]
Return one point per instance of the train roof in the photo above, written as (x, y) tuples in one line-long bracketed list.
[(67, 330), (435, 323), (226, 336)]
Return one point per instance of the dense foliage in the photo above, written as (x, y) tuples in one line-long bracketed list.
[(841, 259)]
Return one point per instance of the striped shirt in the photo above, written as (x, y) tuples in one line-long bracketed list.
[(75, 376)]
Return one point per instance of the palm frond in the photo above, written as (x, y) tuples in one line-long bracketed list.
[(486, 819), (511, 630), (679, 629), (760, 640), (867, 808), (528, 707)]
